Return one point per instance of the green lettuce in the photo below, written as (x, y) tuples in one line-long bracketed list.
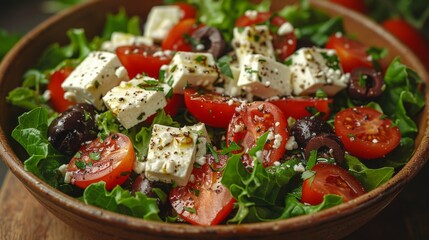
[(121, 201), (222, 14), (31, 133), (311, 24), (7, 40), (370, 178)]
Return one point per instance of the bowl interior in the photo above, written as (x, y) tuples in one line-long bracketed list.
[(339, 220)]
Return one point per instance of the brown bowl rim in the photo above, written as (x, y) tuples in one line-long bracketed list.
[(34, 184)]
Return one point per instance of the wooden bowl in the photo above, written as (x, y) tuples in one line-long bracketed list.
[(332, 223)]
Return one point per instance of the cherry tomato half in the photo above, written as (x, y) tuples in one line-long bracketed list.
[(330, 179), (110, 160), (204, 200), (188, 10), (143, 59), (409, 36), (176, 38), (253, 121), (57, 92), (352, 54), (366, 132), (300, 107), (210, 108), (285, 44)]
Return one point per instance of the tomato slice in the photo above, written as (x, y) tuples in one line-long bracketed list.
[(366, 132), (330, 179), (210, 108), (176, 38), (252, 121), (352, 54), (143, 59), (188, 10), (57, 92), (110, 160), (284, 44), (411, 37), (204, 200), (301, 107)]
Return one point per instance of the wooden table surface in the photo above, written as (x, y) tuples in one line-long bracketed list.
[(22, 217)]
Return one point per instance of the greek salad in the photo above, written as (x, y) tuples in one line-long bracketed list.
[(217, 112)]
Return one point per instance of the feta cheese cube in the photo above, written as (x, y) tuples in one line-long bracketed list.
[(160, 21), (133, 102), (188, 68), (119, 39), (315, 68), (203, 140), (171, 154), (252, 40), (230, 84), (264, 77), (89, 82)]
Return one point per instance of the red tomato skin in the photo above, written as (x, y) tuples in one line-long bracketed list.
[(140, 59), (210, 108), (352, 54), (256, 119), (285, 44), (365, 133), (330, 179), (245, 21), (296, 107), (188, 10), (174, 104), (175, 39), (211, 206), (116, 162), (57, 92), (356, 5), (411, 37)]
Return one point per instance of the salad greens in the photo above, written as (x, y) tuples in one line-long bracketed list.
[(7, 41), (262, 194)]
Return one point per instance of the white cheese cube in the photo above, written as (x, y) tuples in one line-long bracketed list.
[(160, 21), (231, 88), (264, 77), (119, 39), (315, 68), (89, 82), (171, 154), (188, 68), (252, 40), (132, 102), (203, 140)]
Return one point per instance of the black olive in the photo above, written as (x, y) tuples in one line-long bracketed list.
[(307, 127), (73, 127), (365, 83), (328, 142), (304, 43), (212, 40), (145, 186)]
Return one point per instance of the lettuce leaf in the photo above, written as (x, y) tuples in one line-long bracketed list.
[(120, 22), (31, 133), (311, 24), (370, 178), (121, 201), (402, 100), (7, 41), (222, 14), (259, 188)]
